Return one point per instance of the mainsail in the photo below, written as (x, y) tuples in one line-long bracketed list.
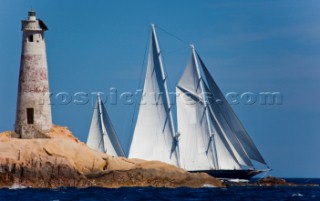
[(102, 136), (211, 135), (154, 135), (194, 141)]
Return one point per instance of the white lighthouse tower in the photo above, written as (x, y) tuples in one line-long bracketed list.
[(33, 116)]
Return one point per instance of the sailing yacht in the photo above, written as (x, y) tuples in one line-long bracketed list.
[(211, 137), (102, 136), (154, 134)]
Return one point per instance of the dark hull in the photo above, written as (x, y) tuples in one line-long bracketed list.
[(232, 174)]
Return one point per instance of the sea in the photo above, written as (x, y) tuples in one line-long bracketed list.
[(18, 193)]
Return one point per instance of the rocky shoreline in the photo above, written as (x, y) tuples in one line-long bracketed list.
[(60, 159)]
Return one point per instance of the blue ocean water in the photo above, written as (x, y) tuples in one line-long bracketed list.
[(231, 193)]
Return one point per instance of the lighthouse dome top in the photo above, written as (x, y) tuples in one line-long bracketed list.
[(32, 15), (33, 24)]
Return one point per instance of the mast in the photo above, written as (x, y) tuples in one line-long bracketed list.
[(103, 128), (164, 78), (205, 104), (196, 151)]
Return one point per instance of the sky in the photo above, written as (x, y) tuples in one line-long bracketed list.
[(248, 46)]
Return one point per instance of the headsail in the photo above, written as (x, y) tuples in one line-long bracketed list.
[(102, 136), (231, 119), (154, 134)]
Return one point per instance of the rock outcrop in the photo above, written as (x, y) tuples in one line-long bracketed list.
[(62, 160), (267, 181)]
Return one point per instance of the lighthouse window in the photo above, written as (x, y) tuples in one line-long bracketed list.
[(31, 38), (30, 115)]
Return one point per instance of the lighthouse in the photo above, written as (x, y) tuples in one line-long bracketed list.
[(33, 114)]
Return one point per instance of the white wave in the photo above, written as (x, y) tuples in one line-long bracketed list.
[(208, 186), (238, 180), (297, 195), (17, 186)]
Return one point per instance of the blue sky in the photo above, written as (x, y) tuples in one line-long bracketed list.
[(254, 46)]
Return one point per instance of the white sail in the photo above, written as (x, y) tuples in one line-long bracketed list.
[(229, 151), (196, 151), (95, 138), (225, 157), (211, 136), (203, 144), (154, 135), (102, 136), (233, 125)]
